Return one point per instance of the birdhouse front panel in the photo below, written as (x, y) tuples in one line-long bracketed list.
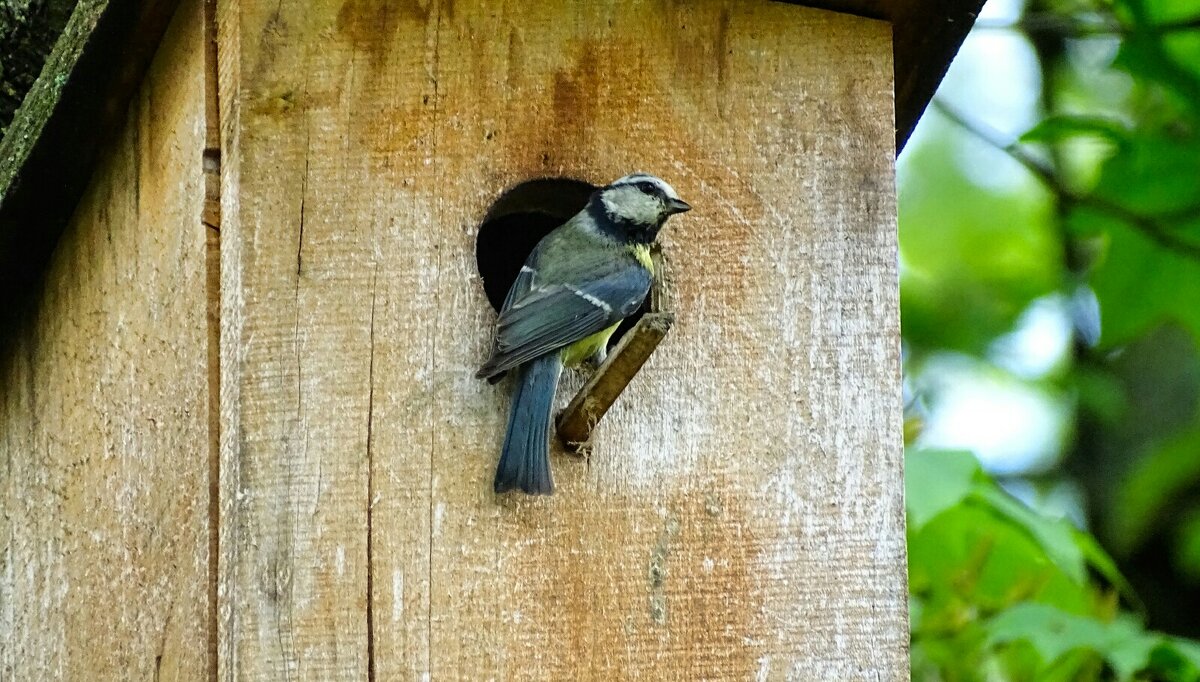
[(736, 513)]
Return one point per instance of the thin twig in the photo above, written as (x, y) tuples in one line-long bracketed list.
[(1074, 28), (585, 410), (1147, 225)]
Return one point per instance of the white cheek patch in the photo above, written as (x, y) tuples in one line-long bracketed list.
[(620, 200), (609, 204), (633, 205), (645, 211)]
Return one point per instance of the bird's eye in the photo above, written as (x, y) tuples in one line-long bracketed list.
[(647, 187)]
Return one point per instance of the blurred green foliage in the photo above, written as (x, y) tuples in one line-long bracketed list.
[(1099, 212), (1001, 592)]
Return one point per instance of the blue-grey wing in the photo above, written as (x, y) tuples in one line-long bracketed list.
[(522, 284), (550, 316)]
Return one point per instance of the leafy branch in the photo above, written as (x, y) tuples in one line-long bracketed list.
[(1150, 226)]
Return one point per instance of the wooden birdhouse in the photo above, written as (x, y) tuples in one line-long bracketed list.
[(240, 435)]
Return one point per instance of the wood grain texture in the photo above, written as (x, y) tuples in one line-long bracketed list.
[(77, 103), (926, 35), (742, 513), (211, 218), (45, 162), (103, 407), (309, 180)]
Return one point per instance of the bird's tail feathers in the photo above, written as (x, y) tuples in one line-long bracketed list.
[(525, 458)]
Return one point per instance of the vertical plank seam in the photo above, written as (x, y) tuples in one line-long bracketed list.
[(139, 131), (303, 196), (285, 636), (370, 484), (437, 307), (211, 219)]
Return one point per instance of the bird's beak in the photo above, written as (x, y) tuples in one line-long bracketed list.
[(677, 206)]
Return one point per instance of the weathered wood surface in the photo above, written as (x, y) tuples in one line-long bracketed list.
[(742, 514), (926, 36), (89, 78), (103, 412), (76, 105)]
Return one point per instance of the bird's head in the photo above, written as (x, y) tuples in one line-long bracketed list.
[(638, 205)]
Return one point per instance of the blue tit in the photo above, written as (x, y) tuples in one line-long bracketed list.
[(577, 285)]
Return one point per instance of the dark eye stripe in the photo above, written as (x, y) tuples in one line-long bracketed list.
[(648, 188)]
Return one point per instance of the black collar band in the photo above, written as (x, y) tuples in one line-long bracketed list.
[(621, 229)]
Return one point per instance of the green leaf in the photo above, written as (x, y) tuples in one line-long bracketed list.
[(935, 480), (972, 257), (968, 562), (1154, 174), (1140, 284), (1056, 537), (1103, 563), (1150, 272), (1152, 490), (1166, 59), (939, 482), (1176, 658), (1058, 128), (1054, 633), (1000, 592), (1187, 545)]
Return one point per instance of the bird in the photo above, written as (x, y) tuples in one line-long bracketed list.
[(570, 295)]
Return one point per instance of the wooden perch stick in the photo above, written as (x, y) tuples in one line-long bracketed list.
[(585, 410)]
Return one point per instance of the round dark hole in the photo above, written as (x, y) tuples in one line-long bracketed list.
[(517, 222)]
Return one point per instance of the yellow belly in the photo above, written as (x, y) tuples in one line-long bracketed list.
[(586, 347), (642, 253)]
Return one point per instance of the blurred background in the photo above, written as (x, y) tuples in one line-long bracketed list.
[(1050, 284)]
